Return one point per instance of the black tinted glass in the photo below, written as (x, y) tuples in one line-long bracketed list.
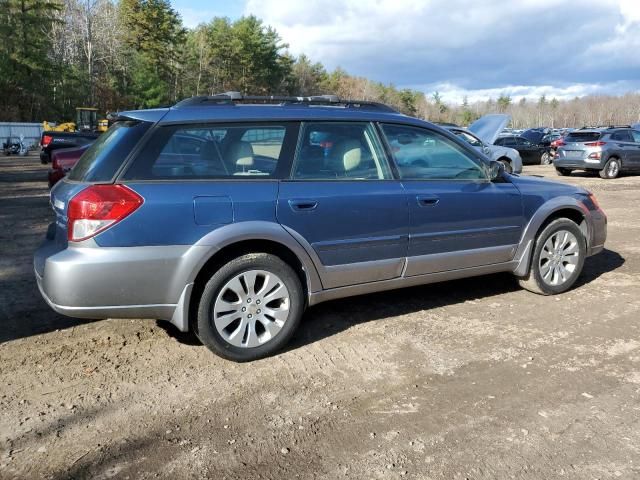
[(582, 137), (102, 160)]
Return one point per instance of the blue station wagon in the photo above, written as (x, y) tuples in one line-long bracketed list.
[(229, 215)]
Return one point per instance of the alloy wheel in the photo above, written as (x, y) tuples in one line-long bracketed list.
[(559, 258), (251, 308)]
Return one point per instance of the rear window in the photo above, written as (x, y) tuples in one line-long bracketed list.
[(211, 151), (582, 137), (102, 160)]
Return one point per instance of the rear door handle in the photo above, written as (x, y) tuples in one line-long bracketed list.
[(303, 205), (427, 200)]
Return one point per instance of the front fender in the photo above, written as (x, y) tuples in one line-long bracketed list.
[(544, 212)]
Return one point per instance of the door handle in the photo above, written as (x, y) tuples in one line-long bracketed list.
[(427, 200), (303, 205)]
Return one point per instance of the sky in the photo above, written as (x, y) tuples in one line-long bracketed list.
[(474, 48)]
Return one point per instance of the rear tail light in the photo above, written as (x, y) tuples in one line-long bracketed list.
[(557, 143), (99, 207), (595, 155), (595, 144), (46, 140)]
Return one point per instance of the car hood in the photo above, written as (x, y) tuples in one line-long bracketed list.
[(545, 187), (488, 128)]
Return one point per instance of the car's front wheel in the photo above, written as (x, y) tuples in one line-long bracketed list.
[(507, 165), (558, 258), (250, 307)]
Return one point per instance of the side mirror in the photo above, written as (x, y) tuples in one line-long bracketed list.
[(496, 170)]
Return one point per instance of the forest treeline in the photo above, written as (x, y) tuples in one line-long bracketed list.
[(56, 55)]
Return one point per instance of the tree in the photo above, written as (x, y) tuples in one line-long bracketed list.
[(24, 61), (307, 77), (503, 102)]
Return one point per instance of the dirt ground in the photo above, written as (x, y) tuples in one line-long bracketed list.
[(472, 379)]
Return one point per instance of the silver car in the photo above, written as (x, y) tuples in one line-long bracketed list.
[(609, 151), (483, 132)]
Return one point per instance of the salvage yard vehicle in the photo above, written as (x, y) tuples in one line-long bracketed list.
[(608, 151), (229, 215), (62, 161), (51, 141), (482, 133), (532, 153)]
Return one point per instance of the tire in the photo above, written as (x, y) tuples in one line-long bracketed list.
[(563, 172), (507, 165), (546, 159), (611, 169), (566, 233), (250, 332)]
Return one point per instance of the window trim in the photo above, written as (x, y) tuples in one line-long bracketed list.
[(472, 154), (384, 155), (280, 173)]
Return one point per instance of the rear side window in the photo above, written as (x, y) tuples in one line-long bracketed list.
[(622, 136), (102, 160), (636, 136), (212, 151), (575, 137), (340, 151)]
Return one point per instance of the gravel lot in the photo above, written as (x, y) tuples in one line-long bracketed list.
[(470, 379)]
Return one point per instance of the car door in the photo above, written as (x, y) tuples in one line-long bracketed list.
[(627, 147), (343, 203), (458, 218), (529, 152), (635, 164)]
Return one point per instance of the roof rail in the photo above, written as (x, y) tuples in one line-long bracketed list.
[(231, 98), (602, 127)]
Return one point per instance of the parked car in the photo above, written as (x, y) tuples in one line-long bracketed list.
[(62, 161), (51, 141), (482, 133), (236, 237), (531, 153), (608, 151)]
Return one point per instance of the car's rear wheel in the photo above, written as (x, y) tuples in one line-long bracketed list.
[(250, 307), (611, 169), (545, 159), (507, 165), (558, 258), (563, 172)]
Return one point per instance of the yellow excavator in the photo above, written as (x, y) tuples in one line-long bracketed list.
[(86, 121)]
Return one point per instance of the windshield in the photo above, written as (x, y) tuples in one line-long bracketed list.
[(101, 161), (473, 141)]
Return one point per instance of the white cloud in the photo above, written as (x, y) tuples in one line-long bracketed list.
[(548, 45), (453, 94)]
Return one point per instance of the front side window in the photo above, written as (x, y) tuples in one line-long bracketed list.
[(213, 151), (340, 151), (422, 154), (636, 136)]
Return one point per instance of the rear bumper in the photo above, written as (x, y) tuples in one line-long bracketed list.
[(578, 164), (125, 282)]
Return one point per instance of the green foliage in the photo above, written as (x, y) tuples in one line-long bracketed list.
[(24, 65), (503, 103)]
